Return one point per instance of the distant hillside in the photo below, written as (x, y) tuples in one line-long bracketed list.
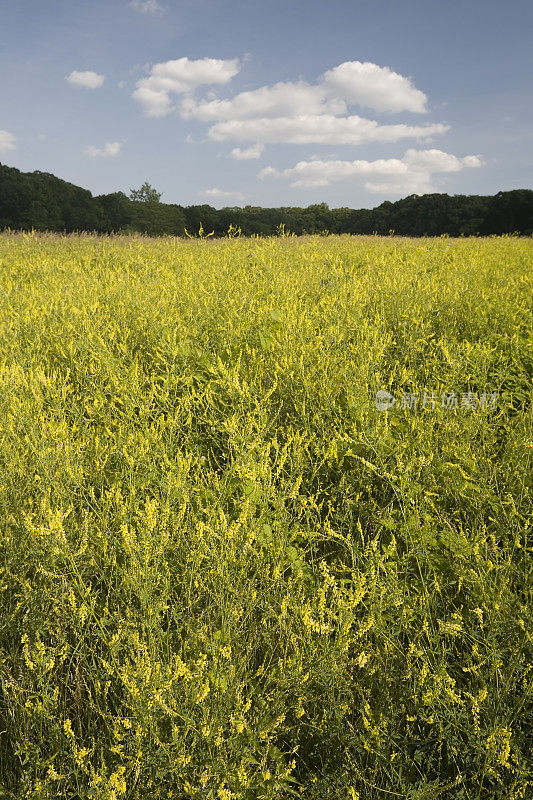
[(41, 201)]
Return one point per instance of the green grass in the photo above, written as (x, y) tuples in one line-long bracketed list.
[(224, 572)]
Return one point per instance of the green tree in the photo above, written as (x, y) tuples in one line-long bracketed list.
[(117, 211), (146, 194)]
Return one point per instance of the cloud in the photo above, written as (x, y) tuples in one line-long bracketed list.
[(438, 161), (280, 100), (87, 79), (473, 161), (290, 112), (316, 113), (318, 129), (351, 83), (408, 175), (255, 151), (182, 76), (155, 102), (109, 150), (366, 84), (147, 6), (7, 141), (220, 193)]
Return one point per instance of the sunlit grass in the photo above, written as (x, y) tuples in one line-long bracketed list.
[(225, 573)]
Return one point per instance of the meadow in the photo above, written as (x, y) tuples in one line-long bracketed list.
[(225, 573)]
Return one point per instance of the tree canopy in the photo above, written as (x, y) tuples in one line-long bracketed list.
[(42, 201), (146, 194)]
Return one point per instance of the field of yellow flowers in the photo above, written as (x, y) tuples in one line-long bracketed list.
[(225, 573)]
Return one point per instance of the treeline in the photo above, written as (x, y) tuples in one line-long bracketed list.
[(40, 201)]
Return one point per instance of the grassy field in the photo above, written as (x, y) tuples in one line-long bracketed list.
[(225, 573)]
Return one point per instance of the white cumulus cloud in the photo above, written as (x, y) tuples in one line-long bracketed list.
[(181, 76), (255, 151), (109, 150), (379, 88), (290, 112), (318, 129), (7, 141), (351, 83), (408, 175), (87, 79), (438, 161), (221, 194), (147, 6), (280, 100), (306, 113)]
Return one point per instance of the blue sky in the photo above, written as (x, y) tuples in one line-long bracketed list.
[(272, 102)]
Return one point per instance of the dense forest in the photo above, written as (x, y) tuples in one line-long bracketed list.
[(40, 201)]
